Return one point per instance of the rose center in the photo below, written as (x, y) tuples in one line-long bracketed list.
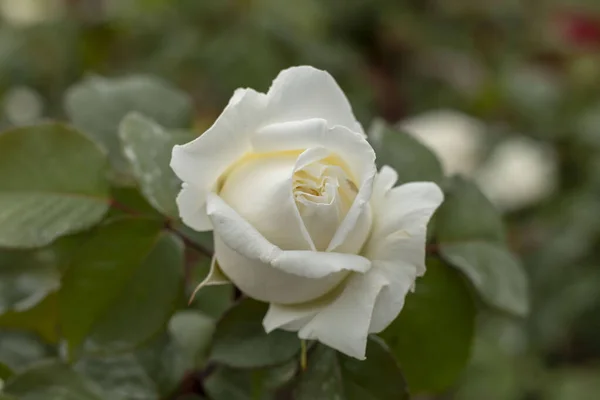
[(323, 193)]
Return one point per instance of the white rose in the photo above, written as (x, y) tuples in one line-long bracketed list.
[(301, 218)]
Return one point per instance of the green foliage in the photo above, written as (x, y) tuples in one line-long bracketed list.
[(335, 376), (471, 237), (108, 288), (495, 273), (240, 340), (70, 194), (97, 106), (26, 277), (147, 147), (467, 215), (432, 336), (53, 381), (411, 159)]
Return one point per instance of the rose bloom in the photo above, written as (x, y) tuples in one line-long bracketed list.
[(301, 217)]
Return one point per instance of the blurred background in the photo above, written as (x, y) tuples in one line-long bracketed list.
[(506, 92)]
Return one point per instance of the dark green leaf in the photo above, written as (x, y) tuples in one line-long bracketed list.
[(5, 372), (147, 146), (331, 375), (412, 160), (26, 277), (97, 105), (18, 350), (432, 335), (127, 201), (121, 376), (467, 215), (240, 339), (53, 381), (52, 183), (129, 274), (41, 319), (573, 384), (249, 384), (496, 274)]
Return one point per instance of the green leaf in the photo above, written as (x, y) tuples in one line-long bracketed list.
[(573, 384), (19, 350), (228, 383), (121, 376), (5, 372), (129, 274), (127, 201), (496, 274), (431, 338), (467, 214), (192, 332), (52, 183), (97, 105), (332, 375), (471, 237), (240, 339), (53, 381), (41, 319), (165, 362), (410, 158), (147, 146), (26, 277)]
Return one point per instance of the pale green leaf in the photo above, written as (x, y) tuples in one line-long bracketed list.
[(97, 105), (496, 274), (53, 381), (52, 183), (147, 146)]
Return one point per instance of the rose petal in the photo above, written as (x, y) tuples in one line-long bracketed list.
[(201, 162), (397, 244), (344, 324), (305, 92), (384, 181), (254, 263), (263, 282), (350, 147)]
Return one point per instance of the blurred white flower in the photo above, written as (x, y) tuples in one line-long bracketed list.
[(22, 105), (519, 172), (456, 138), (30, 12)]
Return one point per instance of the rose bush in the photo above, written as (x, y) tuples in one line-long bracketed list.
[(301, 217)]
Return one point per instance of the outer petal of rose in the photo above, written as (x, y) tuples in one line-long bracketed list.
[(254, 264), (304, 92), (352, 148), (201, 162), (397, 244), (384, 181), (344, 324)]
